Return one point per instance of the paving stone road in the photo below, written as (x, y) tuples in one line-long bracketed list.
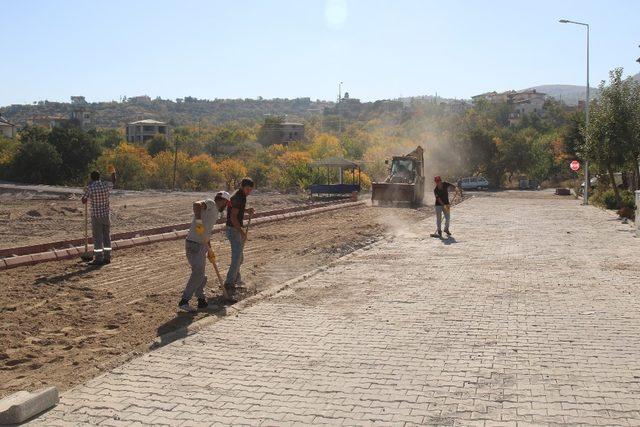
[(530, 316)]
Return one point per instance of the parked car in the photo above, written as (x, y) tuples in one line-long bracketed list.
[(474, 183), (617, 176)]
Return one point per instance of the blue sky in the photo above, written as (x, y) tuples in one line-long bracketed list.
[(245, 49)]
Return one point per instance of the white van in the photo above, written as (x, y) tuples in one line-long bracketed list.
[(474, 183)]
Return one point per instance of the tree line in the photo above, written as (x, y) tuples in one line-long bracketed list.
[(479, 140)]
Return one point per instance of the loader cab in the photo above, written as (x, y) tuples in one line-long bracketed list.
[(403, 170)]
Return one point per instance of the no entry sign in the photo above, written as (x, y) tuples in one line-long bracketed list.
[(575, 165)]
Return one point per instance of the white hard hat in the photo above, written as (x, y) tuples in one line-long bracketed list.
[(223, 195)]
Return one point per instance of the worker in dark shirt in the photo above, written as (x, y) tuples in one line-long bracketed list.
[(236, 234), (441, 192)]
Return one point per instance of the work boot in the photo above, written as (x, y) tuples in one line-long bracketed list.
[(446, 230), (202, 303), (96, 262), (184, 306), (229, 293)]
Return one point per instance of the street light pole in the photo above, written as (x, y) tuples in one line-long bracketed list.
[(338, 108), (587, 182)]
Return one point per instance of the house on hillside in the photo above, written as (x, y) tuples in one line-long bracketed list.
[(492, 97), (279, 131), (144, 130), (527, 101), (80, 112), (140, 100), (520, 102), (7, 128)]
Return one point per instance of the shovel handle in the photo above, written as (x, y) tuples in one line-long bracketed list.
[(212, 260), (246, 230), (86, 227)]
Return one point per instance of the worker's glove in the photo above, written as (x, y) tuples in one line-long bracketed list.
[(199, 227)]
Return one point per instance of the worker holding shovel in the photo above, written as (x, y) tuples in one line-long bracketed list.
[(236, 234), (198, 248), (98, 192), (441, 192)]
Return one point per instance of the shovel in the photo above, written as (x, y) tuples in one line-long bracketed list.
[(246, 230), (86, 256), (212, 259), (246, 237)]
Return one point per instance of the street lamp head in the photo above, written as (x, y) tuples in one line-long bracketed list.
[(564, 21)]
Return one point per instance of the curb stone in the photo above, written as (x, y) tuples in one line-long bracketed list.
[(227, 311), (21, 406), (235, 309), (57, 255)]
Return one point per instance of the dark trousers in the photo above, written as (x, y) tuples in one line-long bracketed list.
[(101, 228)]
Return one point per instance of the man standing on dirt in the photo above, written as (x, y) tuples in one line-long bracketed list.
[(198, 246), (441, 192), (236, 234), (98, 192)]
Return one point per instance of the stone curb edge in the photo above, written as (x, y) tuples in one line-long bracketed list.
[(185, 332), (62, 254), (266, 294)]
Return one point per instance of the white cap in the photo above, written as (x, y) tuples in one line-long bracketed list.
[(223, 195)]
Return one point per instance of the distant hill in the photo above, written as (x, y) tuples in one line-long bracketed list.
[(182, 111), (570, 94)]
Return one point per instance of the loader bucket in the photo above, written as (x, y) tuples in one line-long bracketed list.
[(391, 192)]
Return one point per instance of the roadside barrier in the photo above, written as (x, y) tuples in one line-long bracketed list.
[(56, 251)]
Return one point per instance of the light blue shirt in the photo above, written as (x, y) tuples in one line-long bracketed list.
[(209, 217)]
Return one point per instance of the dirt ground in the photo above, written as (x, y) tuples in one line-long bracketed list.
[(30, 217), (64, 322)]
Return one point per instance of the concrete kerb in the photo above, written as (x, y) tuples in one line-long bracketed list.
[(58, 255), (20, 406), (234, 309), (237, 308)]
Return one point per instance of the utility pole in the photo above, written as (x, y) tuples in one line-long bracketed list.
[(175, 155), (339, 111), (587, 182)]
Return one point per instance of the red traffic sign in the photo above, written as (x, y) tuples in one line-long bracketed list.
[(575, 165)]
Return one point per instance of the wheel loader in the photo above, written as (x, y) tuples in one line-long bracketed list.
[(405, 182)]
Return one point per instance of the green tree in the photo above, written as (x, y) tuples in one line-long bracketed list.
[(542, 161), (157, 145), (134, 165), (77, 149), (635, 133), (206, 174), (610, 130), (8, 149), (325, 145), (108, 138), (31, 133), (36, 162)]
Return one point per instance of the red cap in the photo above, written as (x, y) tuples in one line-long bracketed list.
[(437, 178)]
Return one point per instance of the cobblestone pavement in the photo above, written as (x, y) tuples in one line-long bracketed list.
[(531, 315)]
